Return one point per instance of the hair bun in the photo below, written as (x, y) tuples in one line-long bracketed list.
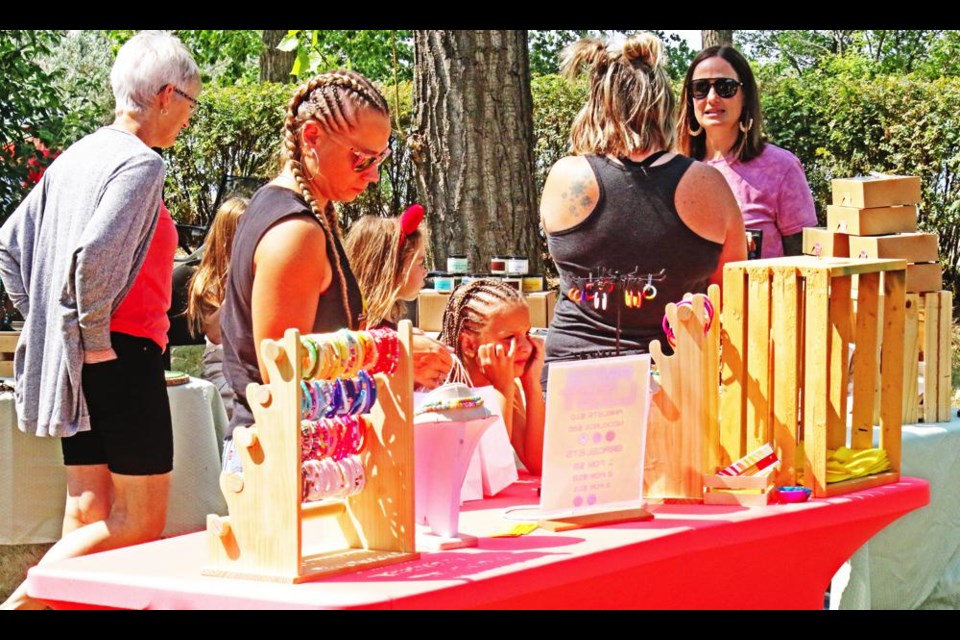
[(588, 53), (646, 49)]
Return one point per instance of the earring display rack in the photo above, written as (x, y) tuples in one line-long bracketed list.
[(624, 289), (270, 534)]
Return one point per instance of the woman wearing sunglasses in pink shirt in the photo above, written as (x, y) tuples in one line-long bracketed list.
[(720, 124)]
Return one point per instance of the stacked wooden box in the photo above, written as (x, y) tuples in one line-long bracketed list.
[(875, 217)]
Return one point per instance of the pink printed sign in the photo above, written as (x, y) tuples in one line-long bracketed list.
[(596, 428)]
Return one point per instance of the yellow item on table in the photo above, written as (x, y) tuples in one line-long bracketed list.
[(845, 463), (520, 529)]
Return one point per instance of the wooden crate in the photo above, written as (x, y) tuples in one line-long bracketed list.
[(876, 190), (912, 247), (820, 241), (872, 222), (787, 325), (924, 277)]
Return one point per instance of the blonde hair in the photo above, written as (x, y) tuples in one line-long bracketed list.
[(469, 308), (631, 107), (207, 286), (381, 260), (331, 99)]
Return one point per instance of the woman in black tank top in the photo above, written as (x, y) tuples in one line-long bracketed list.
[(288, 268), (623, 204)]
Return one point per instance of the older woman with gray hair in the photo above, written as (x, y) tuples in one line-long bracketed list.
[(87, 259)]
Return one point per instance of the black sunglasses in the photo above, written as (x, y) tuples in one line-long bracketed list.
[(725, 87)]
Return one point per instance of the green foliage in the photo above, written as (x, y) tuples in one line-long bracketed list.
[(384, 56), (930, 53), (31, 108), (230, 148), (555, 104), (80, 70), (225, 56), (545, 48)]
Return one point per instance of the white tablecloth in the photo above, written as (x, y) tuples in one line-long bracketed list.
[(914, 562), (33, 480)]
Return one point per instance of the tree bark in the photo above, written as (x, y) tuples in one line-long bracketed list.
[(716, 37), (473, 143), (275, 65)]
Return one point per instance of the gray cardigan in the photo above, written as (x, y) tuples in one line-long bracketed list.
[(68, 256)]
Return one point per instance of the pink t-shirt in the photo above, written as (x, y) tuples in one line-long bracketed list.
[(143, 312), (773, 195)]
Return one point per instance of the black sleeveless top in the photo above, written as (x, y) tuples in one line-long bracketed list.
[(635, 228), (267, 206)]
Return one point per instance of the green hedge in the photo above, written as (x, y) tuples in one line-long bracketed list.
[(230, 147)]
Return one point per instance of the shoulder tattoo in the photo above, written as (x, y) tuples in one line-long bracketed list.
[(576, 200)]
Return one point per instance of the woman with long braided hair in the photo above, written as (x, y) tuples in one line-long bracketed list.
[(487, 324), (288, 267)]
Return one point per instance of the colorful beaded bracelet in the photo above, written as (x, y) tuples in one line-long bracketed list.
[(468, 402)]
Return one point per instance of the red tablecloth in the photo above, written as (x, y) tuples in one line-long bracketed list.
[(687, 557)]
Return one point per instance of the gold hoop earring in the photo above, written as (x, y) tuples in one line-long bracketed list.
[(694, 134), (163, 112), (303, 166), (747, 128)]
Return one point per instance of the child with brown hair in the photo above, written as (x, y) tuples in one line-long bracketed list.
[(206, 289), (388, 257), (487, 323)]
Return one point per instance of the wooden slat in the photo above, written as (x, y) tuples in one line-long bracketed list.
[(911, 359), (945, 361), (759, 409), (786, 365), (891, 362), (733, 365), (815, 382), (838, 352), (931, 357), (866, 366)]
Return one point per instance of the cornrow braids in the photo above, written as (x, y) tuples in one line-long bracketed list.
[(469, 307), (319, 99)]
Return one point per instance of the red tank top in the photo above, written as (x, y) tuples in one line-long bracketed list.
[(143, 312)]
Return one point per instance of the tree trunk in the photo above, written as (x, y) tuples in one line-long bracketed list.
[(716, 37), (275, 65), (473, 143)]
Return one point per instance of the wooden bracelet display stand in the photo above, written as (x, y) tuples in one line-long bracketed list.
[(787, 328), (683, 429), (269, 533)]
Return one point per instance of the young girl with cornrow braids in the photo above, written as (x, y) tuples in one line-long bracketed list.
[(487, 323)]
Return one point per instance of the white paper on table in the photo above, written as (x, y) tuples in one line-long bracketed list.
[(596, 425)]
